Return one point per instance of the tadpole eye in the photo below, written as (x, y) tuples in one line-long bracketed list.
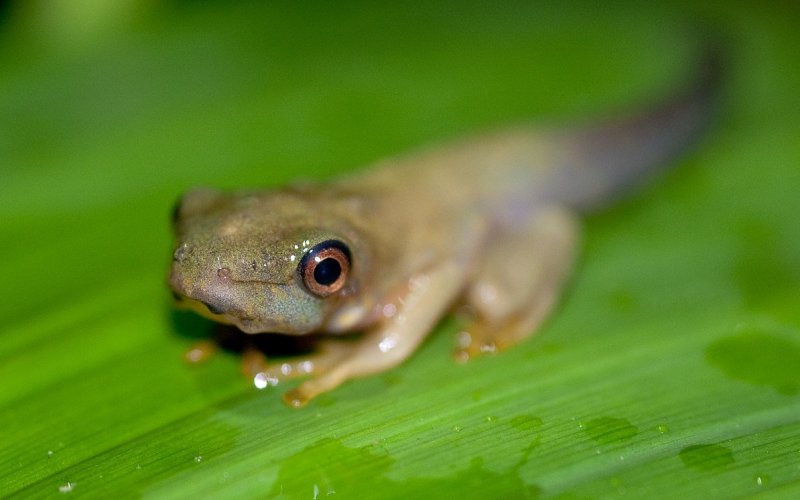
[(324, 269)]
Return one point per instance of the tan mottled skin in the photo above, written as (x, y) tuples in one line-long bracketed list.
[(489, 222)]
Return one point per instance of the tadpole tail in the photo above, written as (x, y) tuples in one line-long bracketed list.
[(609, 157)]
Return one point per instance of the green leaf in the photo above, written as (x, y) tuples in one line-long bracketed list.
[(671, 368)]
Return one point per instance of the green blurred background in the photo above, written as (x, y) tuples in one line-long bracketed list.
[(672, 368)]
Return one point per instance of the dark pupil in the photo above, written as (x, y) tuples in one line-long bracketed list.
[(327, 272)]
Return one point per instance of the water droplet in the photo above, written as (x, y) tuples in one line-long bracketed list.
[(389, 310), (491, 418), (388, 342), (488, 348), (463, 339), (526, 422), (313, 465), (457, 428), (607, 430), (373, 450), (198, 458), (758, 358), (66, 488), (263, 380), (706, 456), (762, 479), (49, 453), (662, 428)]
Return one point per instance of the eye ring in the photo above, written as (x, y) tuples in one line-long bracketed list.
[(325, 268)]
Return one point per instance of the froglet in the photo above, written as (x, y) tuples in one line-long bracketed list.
[(489, 222)]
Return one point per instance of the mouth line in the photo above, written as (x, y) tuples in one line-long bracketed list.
[(200, 307), (212, 309), (208, 311), (259, 282)]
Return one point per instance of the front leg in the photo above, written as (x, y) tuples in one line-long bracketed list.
[(411, 315)]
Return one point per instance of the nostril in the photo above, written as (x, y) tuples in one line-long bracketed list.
[(181, 252), (178, 297), (213, 309)]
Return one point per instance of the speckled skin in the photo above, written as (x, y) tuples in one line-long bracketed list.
[(489, 222)]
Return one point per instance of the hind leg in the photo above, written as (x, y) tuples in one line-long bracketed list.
[(523, 272)]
